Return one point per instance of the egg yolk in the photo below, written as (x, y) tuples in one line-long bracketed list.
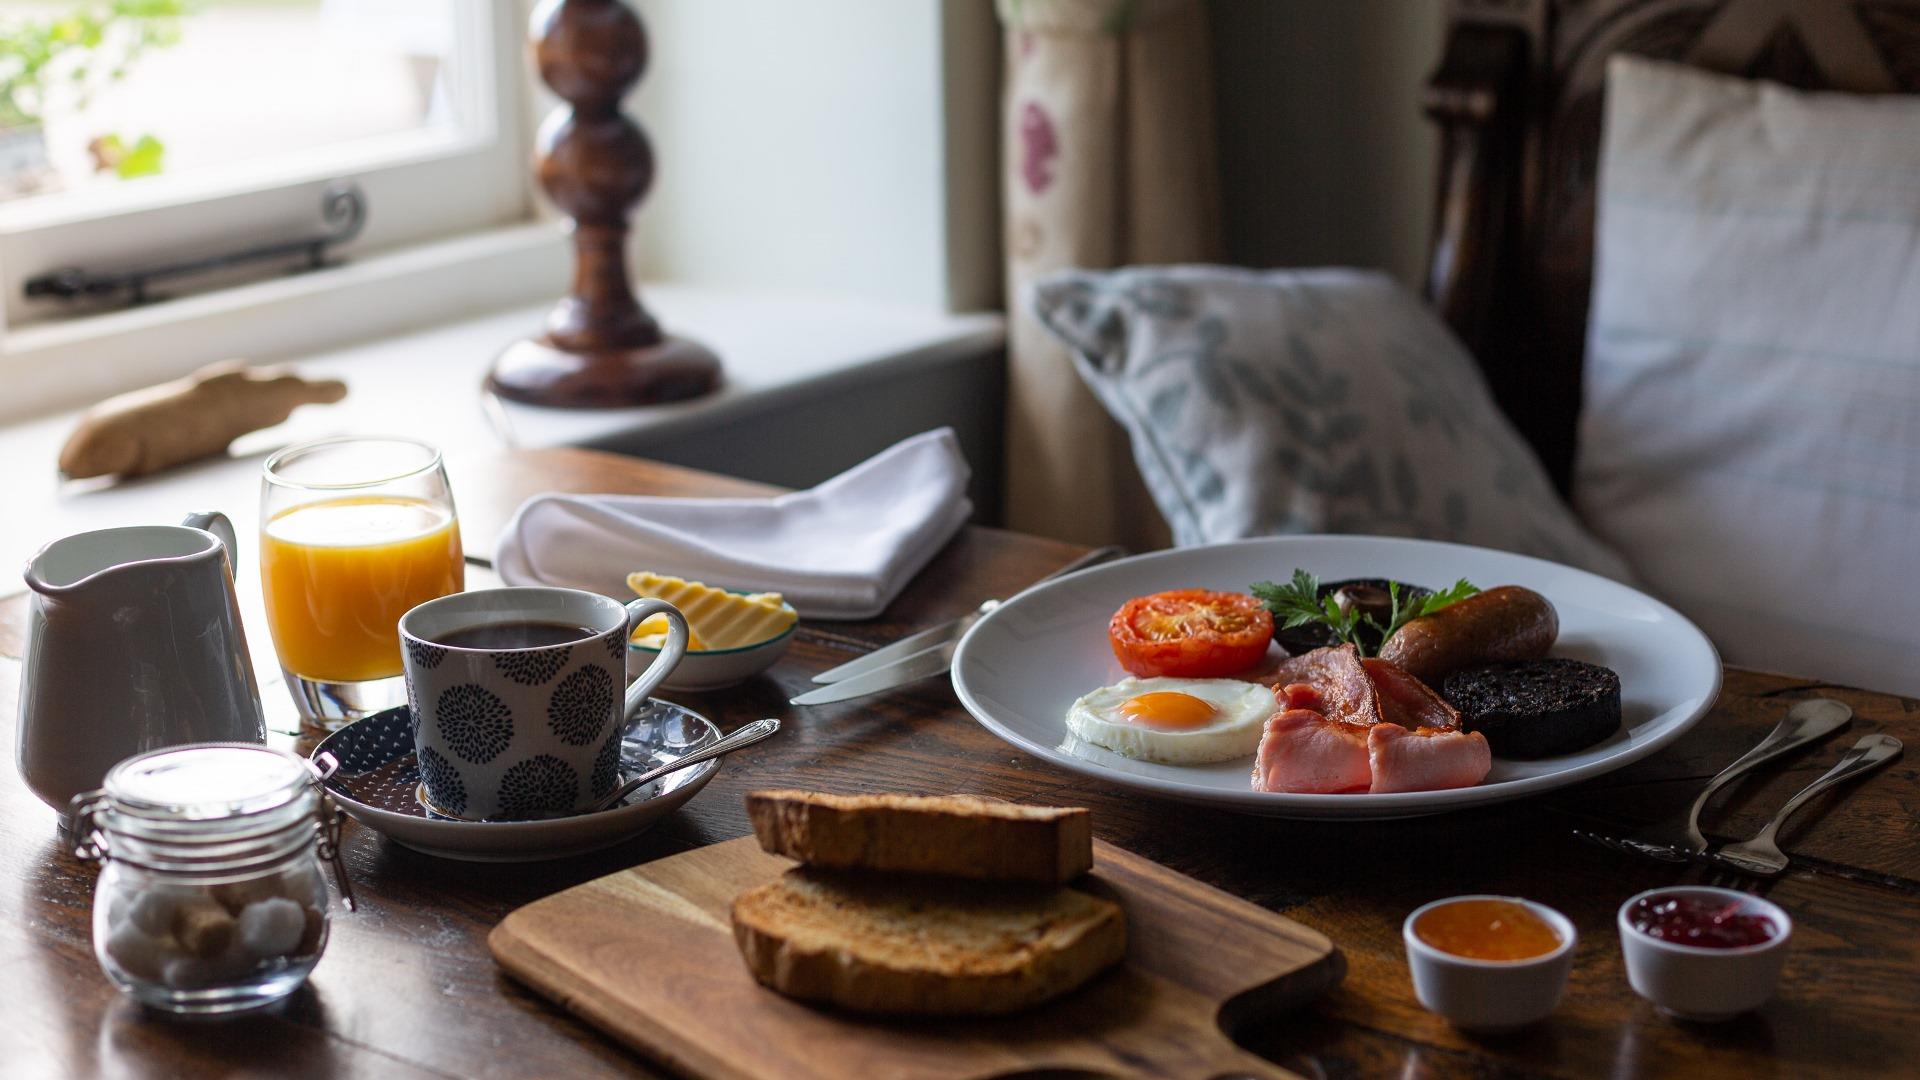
[(1167, 709)]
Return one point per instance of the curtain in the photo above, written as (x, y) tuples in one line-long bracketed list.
[(1109, 161)]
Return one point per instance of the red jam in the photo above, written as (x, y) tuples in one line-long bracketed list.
[(1705, 922)]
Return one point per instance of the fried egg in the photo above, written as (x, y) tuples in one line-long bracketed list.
[(1174, 721)]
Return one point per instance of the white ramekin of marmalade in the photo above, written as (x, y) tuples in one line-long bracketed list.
[(1489, 963)]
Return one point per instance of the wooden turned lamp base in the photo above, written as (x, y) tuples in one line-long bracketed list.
[(602, 350), (540, 373)]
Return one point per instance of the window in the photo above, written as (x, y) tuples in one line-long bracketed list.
[(133, 131), (788, 135)]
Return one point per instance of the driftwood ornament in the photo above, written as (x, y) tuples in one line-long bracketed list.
[(187, 419)]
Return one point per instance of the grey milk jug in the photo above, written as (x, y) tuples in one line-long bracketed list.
[(134, 643)]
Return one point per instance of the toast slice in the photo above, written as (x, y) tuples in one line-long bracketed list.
[(950, 835), (923, 946)]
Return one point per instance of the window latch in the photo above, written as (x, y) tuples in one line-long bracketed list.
[(342, 207)]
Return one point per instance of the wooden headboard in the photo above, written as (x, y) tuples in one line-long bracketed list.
[(1517, 98)]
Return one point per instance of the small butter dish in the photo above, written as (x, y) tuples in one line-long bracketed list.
[(713, 669), (1490, 995), (1697, 982)]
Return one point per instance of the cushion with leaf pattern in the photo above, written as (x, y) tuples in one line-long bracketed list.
[(1263, 403)]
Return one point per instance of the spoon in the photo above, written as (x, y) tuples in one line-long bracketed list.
[(745, 735), (1762, 855)]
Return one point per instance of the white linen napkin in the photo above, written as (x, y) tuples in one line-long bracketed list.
[(841, 550)]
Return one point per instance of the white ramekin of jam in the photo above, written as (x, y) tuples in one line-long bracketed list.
[(1700, 953)]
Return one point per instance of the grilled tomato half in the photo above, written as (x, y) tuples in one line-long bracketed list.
[(1190, 633)]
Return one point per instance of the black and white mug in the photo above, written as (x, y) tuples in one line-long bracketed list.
[(513, 733)]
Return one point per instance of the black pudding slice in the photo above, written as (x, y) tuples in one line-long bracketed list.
[(1537, 708)]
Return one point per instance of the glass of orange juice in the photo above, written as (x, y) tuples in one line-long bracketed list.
[(353, 533)]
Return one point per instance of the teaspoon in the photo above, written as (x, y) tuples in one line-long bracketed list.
[(745, 735)]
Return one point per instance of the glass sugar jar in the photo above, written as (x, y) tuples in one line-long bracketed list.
[(211, 897)]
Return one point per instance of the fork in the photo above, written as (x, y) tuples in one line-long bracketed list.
[(1679, 839), (1761, 856)]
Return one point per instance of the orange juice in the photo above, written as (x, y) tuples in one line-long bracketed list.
[(338, 575)]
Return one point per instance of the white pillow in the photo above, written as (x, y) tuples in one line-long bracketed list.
[(1751, 434), (1317, 401)]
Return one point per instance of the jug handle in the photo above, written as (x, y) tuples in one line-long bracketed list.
[(216, 523)]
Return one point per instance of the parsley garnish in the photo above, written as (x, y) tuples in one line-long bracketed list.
[(1299, 602)]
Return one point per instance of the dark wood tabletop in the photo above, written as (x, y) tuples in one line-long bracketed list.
[(407, 987)]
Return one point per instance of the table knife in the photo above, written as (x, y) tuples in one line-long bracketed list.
[(934, 637), (920, 665)]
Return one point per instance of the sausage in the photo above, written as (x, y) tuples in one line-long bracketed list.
[(1507, 623)]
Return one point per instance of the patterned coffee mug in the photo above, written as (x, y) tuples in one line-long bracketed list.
[(508, 734)]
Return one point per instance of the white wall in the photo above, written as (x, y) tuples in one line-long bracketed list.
[(808, 147), (847, 146)]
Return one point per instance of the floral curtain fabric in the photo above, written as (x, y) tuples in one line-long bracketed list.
[(1108, 157)]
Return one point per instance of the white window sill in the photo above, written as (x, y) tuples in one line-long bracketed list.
[(813, 384), (61, 364)]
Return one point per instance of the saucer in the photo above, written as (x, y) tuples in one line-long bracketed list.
[(378, 784)]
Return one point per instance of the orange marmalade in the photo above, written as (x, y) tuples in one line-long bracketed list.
[(1487, 930)]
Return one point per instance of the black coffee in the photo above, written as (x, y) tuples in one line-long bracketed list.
[(516, 635)]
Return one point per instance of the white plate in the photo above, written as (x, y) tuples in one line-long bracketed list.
[(1020, 667)]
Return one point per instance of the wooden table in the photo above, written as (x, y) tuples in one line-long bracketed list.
[(407, 987)]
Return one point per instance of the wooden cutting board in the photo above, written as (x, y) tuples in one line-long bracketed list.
[(647, 955)]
